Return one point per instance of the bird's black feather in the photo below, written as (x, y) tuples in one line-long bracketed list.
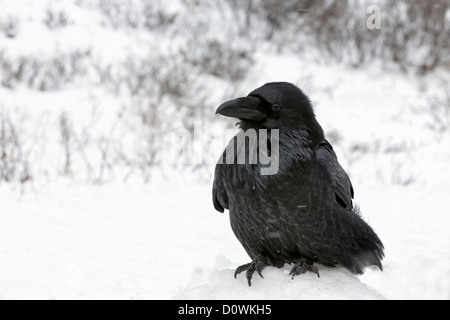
[(304, 213), (220, 198), (339, 179)]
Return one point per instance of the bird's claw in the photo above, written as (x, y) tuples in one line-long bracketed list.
[(303, 266), (256, 265)]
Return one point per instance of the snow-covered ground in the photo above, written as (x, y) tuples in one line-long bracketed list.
[(91, 229), (165, 240)]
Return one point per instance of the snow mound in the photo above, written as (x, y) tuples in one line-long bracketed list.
[(334, 283)]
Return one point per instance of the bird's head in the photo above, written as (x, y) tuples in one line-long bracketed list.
[(276, 105)]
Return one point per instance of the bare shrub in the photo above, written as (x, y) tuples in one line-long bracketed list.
[(42, 73), (417, 34), (400, 175), (342, 32), (153, 89), (110, 148), (12, 71), (280, 14), (157, 76), (78, 141), (136, 14), (14, 164), (280, 21), (55, 19), (155, 15), (243, 13), (10, 27), (398, 169), (113, 11), (414, 35), (439, 110), (66, 131), (220, 59)]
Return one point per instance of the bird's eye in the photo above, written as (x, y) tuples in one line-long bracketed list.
[(276, 107)]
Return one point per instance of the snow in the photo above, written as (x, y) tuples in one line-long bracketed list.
[(67, 238), (88, 242), (164, 240), (277, 284)]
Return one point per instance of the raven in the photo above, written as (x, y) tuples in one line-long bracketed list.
[(304, 212)]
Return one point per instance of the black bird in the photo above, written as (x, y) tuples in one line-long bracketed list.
[(304, 212)]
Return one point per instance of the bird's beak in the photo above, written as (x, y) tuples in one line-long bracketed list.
[(248, 108)]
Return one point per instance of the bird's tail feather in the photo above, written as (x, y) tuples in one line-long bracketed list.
[(369, 249)]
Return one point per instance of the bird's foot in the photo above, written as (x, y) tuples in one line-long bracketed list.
[(302, 266), (257, 265)]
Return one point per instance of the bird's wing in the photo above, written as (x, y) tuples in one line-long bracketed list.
[(220, 197), (340, 181)]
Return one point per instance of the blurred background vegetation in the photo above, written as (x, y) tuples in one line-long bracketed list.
[(134, 69)]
